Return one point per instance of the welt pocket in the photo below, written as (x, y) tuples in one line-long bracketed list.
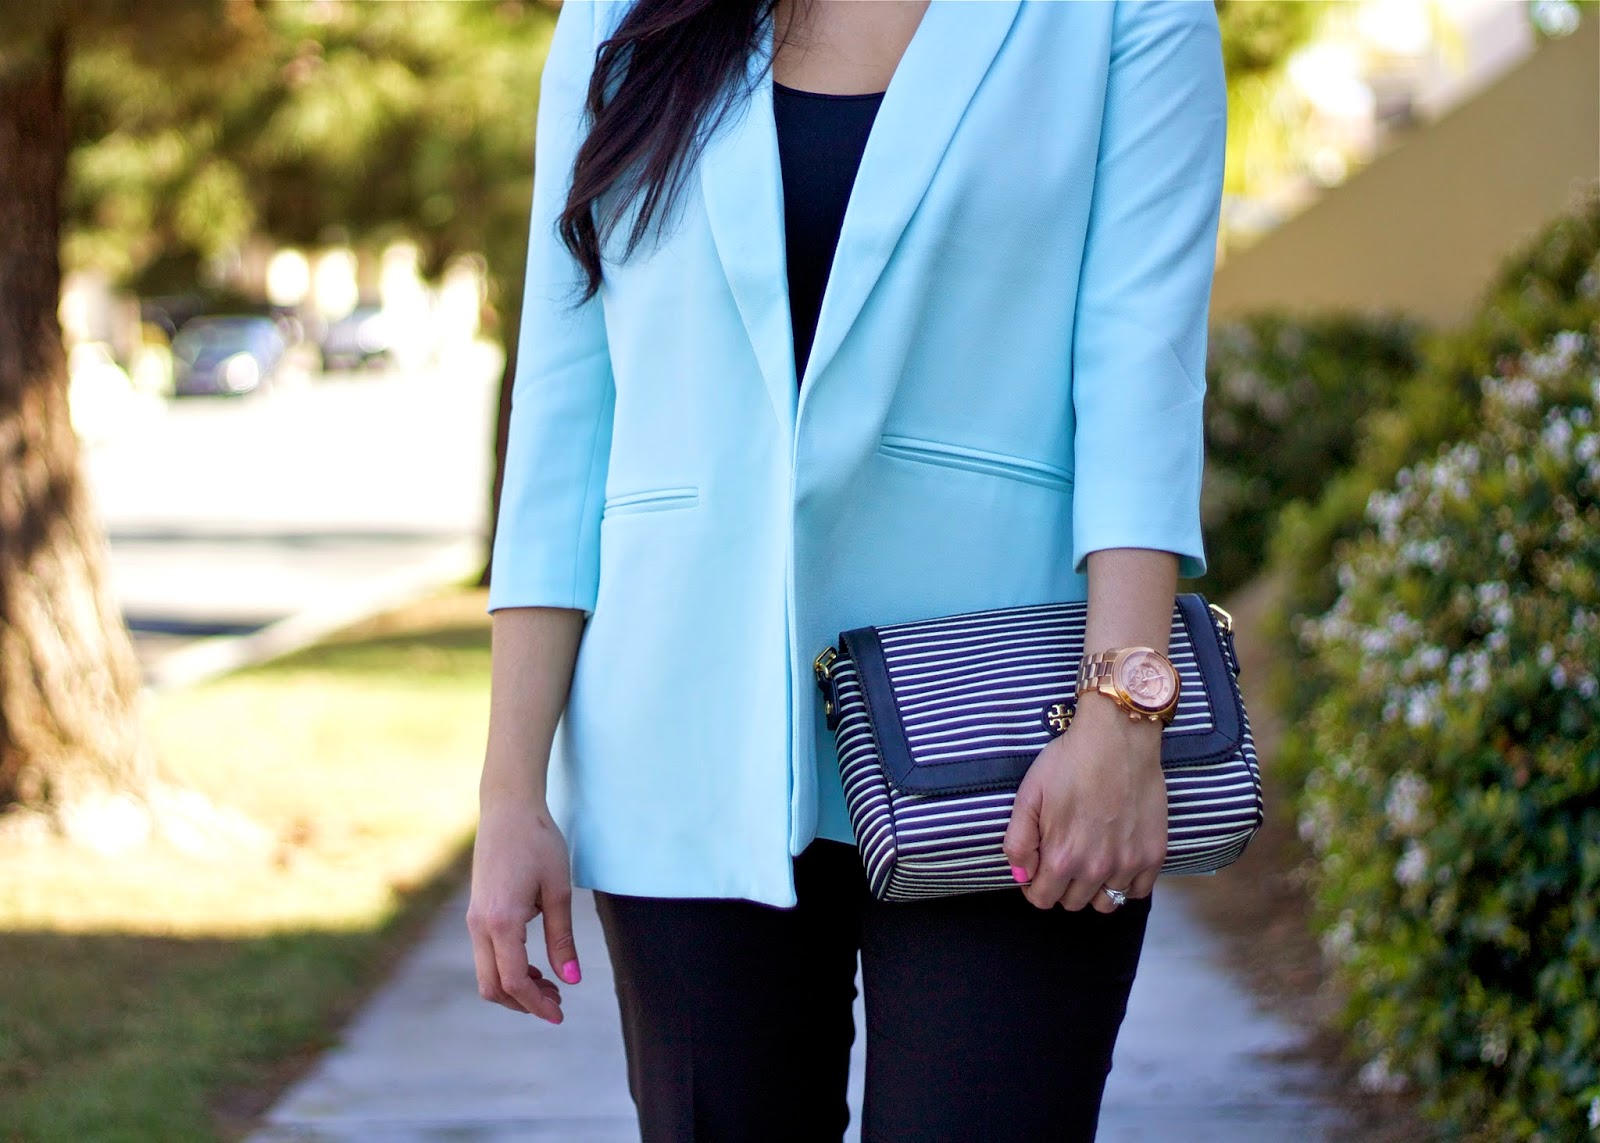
[(976, 460), (650, 500)]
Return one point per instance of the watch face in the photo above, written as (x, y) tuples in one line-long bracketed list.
[(1148, 679)]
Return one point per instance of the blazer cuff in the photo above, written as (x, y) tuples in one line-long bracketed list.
[(1139, 447), (527, 587)]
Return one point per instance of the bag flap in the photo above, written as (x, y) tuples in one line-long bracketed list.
[(966, 702)]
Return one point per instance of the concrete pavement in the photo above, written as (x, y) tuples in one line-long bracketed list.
[(1197, 1061)]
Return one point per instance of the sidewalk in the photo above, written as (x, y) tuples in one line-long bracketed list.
[(427, 1060)]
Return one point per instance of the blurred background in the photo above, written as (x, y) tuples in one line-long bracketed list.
[(259, 269)]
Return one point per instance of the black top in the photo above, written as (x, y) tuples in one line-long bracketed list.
[(820, 141)]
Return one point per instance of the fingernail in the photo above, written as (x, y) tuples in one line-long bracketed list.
[(570, 972), (1020, 874)]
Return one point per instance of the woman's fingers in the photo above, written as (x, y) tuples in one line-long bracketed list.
[(1050, 880), (1145, 884), (558, 943), (496, 956), (1021, 844), (1100, 900), (1132, 885), (1086, 890), (488, 973), (520, 980)]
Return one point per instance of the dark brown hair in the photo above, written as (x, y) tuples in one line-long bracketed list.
[(662, 83)]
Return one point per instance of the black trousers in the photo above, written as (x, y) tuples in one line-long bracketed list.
[(987, 1019)]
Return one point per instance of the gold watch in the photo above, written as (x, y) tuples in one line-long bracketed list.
[(1141, 680)]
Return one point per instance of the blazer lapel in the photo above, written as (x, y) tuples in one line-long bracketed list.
[(932, 85), (742, 185)]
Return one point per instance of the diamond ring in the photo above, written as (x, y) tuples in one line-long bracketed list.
[(1118, 897)]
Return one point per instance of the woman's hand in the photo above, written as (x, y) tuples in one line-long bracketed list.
[(520, 871), (1091, 811), (520, 868)]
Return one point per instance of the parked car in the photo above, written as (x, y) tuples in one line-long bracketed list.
[(227, 355), (363, 337)]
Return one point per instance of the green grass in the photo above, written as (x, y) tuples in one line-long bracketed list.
[(167, 995)]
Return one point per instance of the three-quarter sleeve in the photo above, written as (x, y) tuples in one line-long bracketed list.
[(547, 537), (1144, 290)]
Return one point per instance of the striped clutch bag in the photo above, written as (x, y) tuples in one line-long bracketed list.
[(937, 721)]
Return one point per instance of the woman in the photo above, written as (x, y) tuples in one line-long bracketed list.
[(901, 313)]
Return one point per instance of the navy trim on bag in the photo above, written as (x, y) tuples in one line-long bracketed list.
[(1179, 748)]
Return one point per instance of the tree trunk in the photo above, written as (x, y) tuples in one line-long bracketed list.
[(69, 682), (510, 308)]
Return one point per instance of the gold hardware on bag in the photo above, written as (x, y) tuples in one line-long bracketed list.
[(1059, 717), (1223, 617), (822, 665)]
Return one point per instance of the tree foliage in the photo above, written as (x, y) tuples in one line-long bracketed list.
[(1258, 37), (350, 119), (199, 124)]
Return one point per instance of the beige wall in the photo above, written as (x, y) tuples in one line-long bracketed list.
[(1423, 227)]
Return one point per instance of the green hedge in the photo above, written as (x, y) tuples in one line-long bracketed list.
[(1453, 790), (1285, 396), (1551, 285)]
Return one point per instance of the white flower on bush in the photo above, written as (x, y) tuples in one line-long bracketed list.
[(1378, 1076), (1429, 554), (1385, 509), (1412, 868), (1557, 436), (1488, 594), (1468, 673), (1423, 706), (1314, 827), (1407, 795), (1514, 393), (1494, 1047), (1339, 941), (1376, 642), (1559, 355)]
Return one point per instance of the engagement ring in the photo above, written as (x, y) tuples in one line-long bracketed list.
[(1118, 897)]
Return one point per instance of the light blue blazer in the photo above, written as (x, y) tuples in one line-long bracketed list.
[(1007, 375)]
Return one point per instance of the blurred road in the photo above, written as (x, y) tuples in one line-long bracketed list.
[(228, 514)]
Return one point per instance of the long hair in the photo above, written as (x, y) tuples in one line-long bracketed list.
[(661, 85)]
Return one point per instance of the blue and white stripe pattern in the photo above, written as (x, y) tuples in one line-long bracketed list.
[(958, 708)]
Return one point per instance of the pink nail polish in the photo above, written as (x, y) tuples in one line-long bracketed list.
[(1020, 874), (570, 972)]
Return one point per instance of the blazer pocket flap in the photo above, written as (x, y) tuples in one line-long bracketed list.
[(651, 500), (975, 460)]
